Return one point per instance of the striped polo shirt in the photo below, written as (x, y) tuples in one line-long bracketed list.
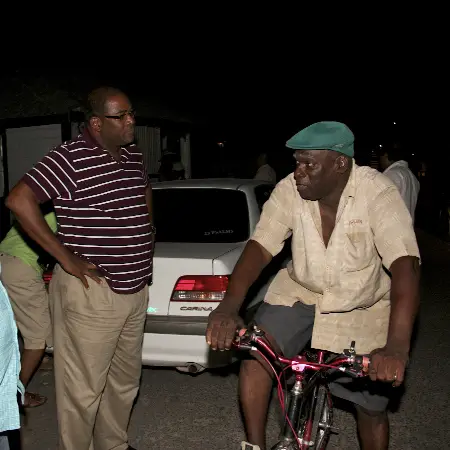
[(101, 208)]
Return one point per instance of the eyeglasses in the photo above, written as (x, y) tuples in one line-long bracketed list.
[(122, 116)]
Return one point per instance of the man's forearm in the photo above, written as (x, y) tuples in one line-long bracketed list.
[(405, 299), (253, 260), (22, 202)]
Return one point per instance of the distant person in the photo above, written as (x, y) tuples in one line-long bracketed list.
[(179, 172), (22, 278), (396, 168), (265, 171), (166, 169)]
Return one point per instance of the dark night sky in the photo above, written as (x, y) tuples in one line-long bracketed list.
[(257, 107), (264, 104)]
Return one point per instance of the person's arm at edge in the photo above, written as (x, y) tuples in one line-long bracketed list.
[(25, 207), (396, 242)]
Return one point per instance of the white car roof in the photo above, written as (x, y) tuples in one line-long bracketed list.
[(221, 183)]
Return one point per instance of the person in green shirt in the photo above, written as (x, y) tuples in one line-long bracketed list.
[(21, 275)]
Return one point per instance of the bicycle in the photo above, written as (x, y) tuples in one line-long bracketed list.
[(309, 415)]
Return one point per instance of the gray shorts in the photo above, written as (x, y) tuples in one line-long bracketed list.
[(291, 328)]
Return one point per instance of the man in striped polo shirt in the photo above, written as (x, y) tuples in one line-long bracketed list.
[(99, 290)]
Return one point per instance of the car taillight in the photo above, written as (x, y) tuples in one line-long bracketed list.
[(47, 277), (200, 288)]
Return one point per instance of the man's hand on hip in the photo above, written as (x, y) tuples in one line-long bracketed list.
[(81, 269)]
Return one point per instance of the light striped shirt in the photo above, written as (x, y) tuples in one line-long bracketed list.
[(101, 208)]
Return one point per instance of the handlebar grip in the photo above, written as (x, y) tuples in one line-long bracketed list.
[(363, 361), (350, 373), (241, 332)]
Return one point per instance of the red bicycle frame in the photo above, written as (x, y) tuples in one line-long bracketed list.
[(348, 362), (255, 340)]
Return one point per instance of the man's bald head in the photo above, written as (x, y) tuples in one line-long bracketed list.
[(110, 117), (96, 103)]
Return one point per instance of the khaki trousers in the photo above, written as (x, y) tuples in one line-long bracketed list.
[(98, 337), (29, 301)]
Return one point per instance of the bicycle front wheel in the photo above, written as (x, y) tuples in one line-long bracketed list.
[(316, 418)]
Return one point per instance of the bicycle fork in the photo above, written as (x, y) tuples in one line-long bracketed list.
[(288, 440), (302, 440)]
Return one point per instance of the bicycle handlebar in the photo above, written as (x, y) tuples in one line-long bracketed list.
[(348, 362)]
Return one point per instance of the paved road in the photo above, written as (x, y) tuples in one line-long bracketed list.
[(179, 412)]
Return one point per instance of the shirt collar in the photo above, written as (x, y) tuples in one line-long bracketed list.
[(94, 144), (350, 187), (90, 140)]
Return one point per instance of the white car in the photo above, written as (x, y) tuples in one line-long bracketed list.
[(202, 227)]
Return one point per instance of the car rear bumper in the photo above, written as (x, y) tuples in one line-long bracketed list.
[(179, 341), (180, 325)]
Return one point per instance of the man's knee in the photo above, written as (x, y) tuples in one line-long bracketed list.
[(254, 362), (255, 366), (367, 414)]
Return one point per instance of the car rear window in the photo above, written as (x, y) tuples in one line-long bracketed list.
[(200, 215)]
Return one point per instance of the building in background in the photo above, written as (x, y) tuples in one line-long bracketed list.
[(37, 115)]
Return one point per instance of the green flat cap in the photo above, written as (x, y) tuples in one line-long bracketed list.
[(324, 136)]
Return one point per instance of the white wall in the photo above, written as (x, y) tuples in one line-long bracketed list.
[(28, 145), (148, 139)]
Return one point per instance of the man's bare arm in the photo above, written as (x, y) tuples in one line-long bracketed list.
[(251, 263), (389, 363), (224, 320), (25, 206), (405, 299)]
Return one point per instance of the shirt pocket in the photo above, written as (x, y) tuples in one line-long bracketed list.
[(359, 251)]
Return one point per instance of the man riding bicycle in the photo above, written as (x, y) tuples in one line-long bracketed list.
[(354, 275)]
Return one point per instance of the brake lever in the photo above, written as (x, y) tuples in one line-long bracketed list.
[(350, 351), (241, 342), (360, 363), (350, 373), (247, 347)]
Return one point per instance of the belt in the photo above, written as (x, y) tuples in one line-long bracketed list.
[(97, 273)]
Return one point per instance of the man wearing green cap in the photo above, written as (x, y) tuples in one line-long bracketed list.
[(348, 224)]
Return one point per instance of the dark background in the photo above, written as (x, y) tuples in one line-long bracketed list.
[(255, 107)]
